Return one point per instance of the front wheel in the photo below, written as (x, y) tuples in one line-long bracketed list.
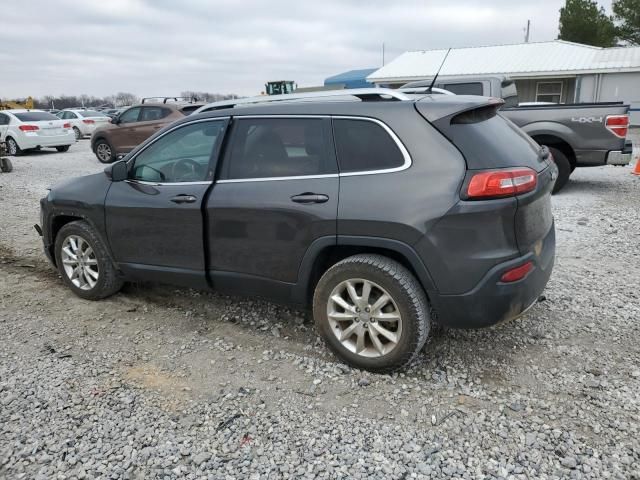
[(371, 312), (104, 151), (12, 147), (63, 148), (83, 262)]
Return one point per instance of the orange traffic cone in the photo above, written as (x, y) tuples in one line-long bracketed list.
[(636, 169)]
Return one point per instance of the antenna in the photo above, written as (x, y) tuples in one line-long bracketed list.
[(433, 82), (527, 30)]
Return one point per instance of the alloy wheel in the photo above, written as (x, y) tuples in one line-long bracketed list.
[(104, 152), (364, 317), (12, 146), (79, 262)]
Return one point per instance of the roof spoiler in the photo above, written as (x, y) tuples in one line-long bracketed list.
[(458, 108)]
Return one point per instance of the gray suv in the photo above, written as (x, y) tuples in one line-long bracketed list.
[(384, 212)]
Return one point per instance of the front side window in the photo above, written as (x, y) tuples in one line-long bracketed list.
[(279, 147), (549, 92), (363, 145), (181, 155), (472, 88), (130, 115)]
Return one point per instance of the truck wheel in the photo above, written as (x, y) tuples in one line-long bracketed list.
[(372, 312), (64, 148), (12, 147), (83, 262), (104, 151), (564, 169), (5, 165)]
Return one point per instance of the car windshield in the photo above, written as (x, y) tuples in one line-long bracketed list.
[(35, 116), (90, 113)]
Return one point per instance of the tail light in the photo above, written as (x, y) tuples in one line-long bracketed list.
[(29, 128), (66, 125), (517, 273), (88, 121), (618, 125), (502, 183)]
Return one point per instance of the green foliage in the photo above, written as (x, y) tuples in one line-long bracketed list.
[(627, 14), (583, 21)]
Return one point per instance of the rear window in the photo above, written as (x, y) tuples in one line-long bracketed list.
[(365, 145), (35, 116), (472, 88), (90, 113)]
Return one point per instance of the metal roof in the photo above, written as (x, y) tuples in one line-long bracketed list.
[(358, 78), (556, 57)]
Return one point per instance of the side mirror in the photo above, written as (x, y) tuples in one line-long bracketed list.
[(115, 120), (117, 172)]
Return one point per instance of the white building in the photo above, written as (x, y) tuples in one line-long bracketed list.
[(555, 71)]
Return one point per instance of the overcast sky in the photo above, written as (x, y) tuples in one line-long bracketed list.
[(162, 47)]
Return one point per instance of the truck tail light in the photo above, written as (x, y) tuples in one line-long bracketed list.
[(89, 122), (618, 125), (502, 183), (66, 125), (29, 128), (517, 273)]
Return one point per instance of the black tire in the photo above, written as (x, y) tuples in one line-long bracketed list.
[(63, 148), (407, 294), (78, 133), (104, 151), (12, 147), (108, 281), (5, 165), (564, 169)]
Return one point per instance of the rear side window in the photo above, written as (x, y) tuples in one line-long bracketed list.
[(473, 88), (365, 145), (149, 114), (4, 120), (35, 116), (279, 147)]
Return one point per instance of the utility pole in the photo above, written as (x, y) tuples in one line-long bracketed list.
[(528, 29)]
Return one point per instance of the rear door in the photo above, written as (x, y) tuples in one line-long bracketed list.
[(154, 219), (151, 119), (4, 126), (277, 194)]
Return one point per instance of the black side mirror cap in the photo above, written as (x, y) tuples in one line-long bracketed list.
[(117, 172)]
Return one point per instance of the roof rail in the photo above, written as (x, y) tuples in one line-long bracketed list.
[(164, 99), (361, 93), (425, 90)]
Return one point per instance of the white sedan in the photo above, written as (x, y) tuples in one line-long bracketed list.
[(33, 129), (83, 122)]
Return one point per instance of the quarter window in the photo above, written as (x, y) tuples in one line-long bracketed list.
[(364, 145), (182, 155), (279, 147), (549, 92), (130, 115)]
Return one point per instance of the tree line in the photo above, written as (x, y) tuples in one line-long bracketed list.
[(120, 99), (584, 21)]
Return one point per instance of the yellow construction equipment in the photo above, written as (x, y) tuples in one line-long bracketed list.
[(7, 105)]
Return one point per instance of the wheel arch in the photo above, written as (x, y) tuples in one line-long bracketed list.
[(60, 220), (325, 252), (551, 140)]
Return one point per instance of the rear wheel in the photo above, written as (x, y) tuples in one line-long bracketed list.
[(83, 262), (104, 151), (78, 133), (12, 147), (63, 148), (371, 312), (564, 169)]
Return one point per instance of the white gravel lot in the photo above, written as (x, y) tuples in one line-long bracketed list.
[(159, 382)]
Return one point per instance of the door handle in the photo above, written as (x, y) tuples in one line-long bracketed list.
[(308, 198), (184, 199)]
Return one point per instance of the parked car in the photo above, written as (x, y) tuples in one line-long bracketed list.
[(385, 215), (136, 124), (578, 135), (83, 122), (24, 130)]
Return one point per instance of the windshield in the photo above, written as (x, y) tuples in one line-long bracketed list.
[(35, 116)]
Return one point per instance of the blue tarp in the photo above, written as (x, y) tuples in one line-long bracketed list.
[(352, 78)]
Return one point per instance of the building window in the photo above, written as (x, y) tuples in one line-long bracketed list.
[(549, 92)]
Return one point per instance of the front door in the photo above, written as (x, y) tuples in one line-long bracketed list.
[(122, 135), (154, 219), (277, 194)]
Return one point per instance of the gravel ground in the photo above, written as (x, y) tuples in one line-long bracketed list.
[(159, 382)]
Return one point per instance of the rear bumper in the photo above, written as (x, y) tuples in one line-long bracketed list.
[(492, 301), (33, 141), (621, 157)]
